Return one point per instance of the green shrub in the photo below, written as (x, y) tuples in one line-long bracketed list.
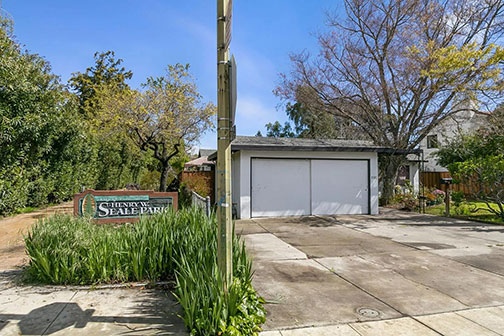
[(457, 197), (150, 180), (13, 190), (174, 245), (460, 209)]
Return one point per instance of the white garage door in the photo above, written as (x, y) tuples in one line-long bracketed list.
[(280, 187), (339, 187), (290, 187)]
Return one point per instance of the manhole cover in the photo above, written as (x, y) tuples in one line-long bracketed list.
[(368, 312)]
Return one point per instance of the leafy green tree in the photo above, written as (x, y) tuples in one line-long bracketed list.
[(107, 70), (478, 160), (166, 116), (119, 160), (312, 124), (42, 140), (396, 68), (277, 130)]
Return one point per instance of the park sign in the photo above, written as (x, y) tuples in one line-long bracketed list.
[(122, 206)]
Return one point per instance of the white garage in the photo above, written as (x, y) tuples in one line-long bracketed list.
[(294, 177), (293, 187)]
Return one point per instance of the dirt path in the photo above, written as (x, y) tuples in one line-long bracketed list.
[(12, 252)]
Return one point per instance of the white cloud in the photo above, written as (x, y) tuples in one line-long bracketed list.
[(255, 71)]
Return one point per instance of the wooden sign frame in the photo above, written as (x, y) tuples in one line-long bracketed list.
[(125, 196)]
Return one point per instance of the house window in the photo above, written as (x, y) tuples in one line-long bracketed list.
[(432, 141)]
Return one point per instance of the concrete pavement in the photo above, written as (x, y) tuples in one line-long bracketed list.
[(59, 310), (392, 274), (472, 322)]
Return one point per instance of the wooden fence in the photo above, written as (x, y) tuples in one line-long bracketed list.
[(433, 180)]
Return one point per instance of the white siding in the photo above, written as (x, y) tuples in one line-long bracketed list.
[(244, 180), (464, 122)]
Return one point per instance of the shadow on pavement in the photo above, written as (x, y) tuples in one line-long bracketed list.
[(132, 311), (29, 324)]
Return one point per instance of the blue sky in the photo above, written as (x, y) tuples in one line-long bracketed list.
[(148, 35)]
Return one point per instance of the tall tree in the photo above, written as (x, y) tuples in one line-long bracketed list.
[(396, 68), (119, 161), (163, 118), (312, 124), (278, 131), (107, 70), (44, 154)]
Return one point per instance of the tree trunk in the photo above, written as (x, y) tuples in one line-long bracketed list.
[(164, 176), (389, 169)]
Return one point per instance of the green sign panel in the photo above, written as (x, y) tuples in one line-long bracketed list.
[(122, 206)]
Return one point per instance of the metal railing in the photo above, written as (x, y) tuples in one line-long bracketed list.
[(202, 202)]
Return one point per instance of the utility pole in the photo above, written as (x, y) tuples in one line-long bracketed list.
[(224, 138)]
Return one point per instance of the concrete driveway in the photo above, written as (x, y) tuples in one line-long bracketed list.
[(411, 274)]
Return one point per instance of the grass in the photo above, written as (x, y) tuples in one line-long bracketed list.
[(27, 209), (179, 246), (464, 211)]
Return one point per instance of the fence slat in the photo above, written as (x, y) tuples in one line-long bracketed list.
[(433, 180), (201, 202)]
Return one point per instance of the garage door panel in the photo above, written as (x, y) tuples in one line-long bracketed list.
[(280, 187), (339, 187)]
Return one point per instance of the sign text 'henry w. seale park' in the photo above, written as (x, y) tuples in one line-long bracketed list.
[(122, 206)]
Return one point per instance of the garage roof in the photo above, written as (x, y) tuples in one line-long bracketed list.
[(312, 145)]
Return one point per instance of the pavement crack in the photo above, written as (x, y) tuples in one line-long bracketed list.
[(424, 285), (135, 328), (265, 229), (360, 288), (356, 331), (427, 326), (398, 272), (476, 322), (466, 263), (59, 313)]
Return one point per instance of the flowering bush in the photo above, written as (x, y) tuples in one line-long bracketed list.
[(405, 198), (430, 197), (440, 195), (435, 196)]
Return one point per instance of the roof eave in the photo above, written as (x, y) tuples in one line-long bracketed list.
[(393, 151), (236, 148)]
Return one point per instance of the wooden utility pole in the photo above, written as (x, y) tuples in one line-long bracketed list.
[(224, 134)]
